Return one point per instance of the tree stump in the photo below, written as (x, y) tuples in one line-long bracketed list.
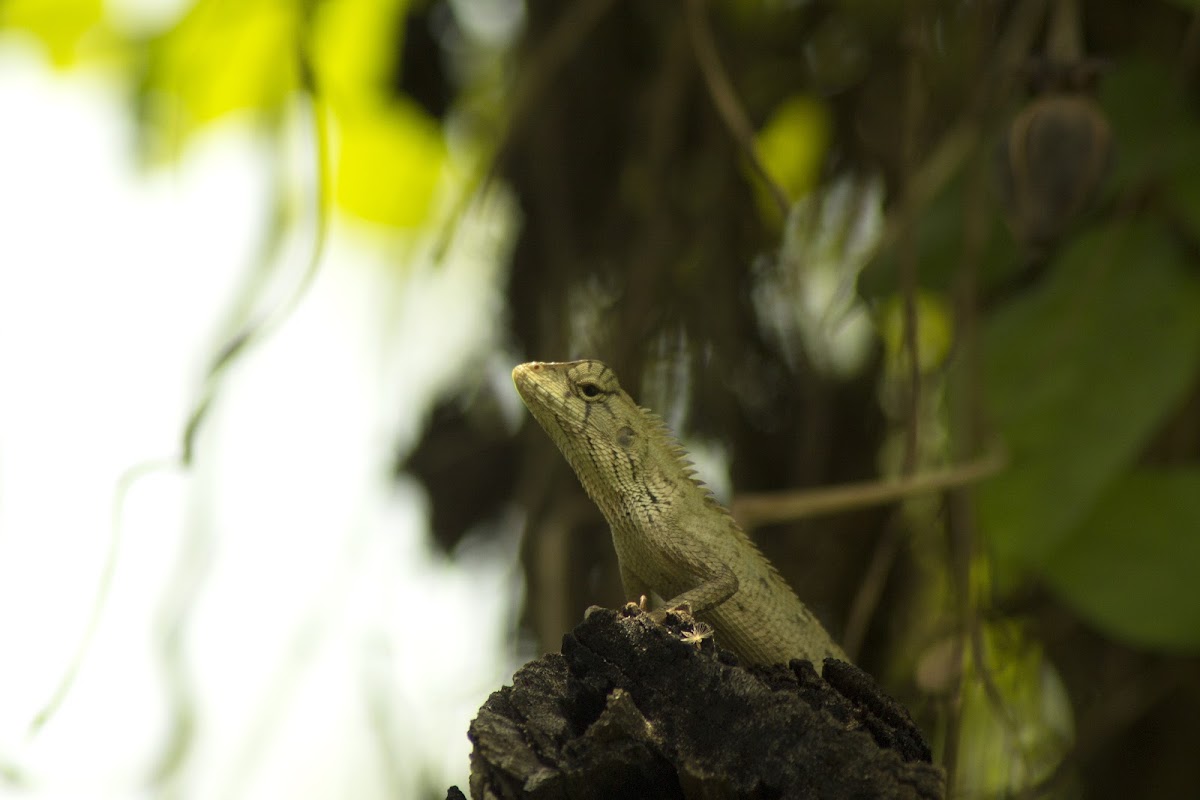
[(634, 708)]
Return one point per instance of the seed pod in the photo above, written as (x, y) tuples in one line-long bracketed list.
[(1054, 157)]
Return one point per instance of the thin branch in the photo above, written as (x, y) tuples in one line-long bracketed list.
[(870, 588), (966, 425), (767, 508), (103, 589), (254, 332), (720, 88), (1064, 37)]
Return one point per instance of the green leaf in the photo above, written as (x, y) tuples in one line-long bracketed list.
[(1157, 136), (1079, 374), (1133, 567)]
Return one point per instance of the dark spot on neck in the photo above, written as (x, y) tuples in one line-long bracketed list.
[(625, 437)]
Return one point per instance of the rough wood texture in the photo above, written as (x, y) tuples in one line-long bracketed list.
[(631, 708)]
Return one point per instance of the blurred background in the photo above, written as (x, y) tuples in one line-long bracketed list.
[(917, 282)]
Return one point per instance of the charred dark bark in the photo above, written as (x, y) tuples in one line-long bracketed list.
[(631, 709)]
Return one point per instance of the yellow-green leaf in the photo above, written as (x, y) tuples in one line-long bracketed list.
[(61, 25), (792, 146), (935, 331), (1016, 732), (225, 57), (391, 160), (356, 46)]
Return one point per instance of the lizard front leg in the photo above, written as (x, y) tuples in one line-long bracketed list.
[(720, 585), (709, 594)]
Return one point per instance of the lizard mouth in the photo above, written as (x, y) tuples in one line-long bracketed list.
[(525, 378), (541, 399), (522, 376)]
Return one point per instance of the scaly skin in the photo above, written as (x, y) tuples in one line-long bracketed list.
[(671, 536)]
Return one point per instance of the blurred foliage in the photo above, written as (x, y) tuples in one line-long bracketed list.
[(1133, 565), (391, 163), (224, 58), (389, 154), (1077, 396), (1017, 717), (193, 83), (934, 332), (63, 27), (792, 144)]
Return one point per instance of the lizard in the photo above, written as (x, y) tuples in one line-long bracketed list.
[(671, 535)]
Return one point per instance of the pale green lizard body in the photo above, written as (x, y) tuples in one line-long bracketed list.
[(671, 536)]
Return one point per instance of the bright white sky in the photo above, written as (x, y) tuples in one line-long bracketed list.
[(325, 649)]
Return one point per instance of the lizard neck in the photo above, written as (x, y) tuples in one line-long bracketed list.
[(647, 481)]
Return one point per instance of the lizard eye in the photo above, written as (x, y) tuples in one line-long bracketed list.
[(590, 390)]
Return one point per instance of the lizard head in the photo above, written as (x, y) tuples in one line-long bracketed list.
[(600, 430), (571, 398)]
